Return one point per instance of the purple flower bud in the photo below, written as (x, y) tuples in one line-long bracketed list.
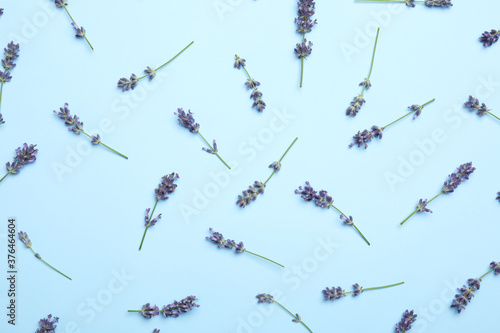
[(498, 196), (474, 105), (417, 108), (357, 289), (25, 239), (355, 106), (496, 266), (406, 321), (362, 139), (276, 166), (366, 83), (186, 120), (1, 11), (216, 238), (265, 298), (259, 105), (421, 206), (377, 132), (96, 139), (151, 73), (47, 325), (347, 221), (61, 3), (250, 194), (166, 186), (252, 84), (438, 3), (461, 174), (5, 76), (239, 62), (324, 200), (211, 151), (134, 80), (124, 83), (149, 311), (333, 293), (156, 330), (302, 50), (306, 9), (1, 120), (80, 32), (410, 3), (297, 318), (26, 154), (488, 38), (240, 247), (256, 94), (151, 223), (38, 256), (474, 283)]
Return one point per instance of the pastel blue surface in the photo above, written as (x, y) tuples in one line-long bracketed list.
[(83, 206)]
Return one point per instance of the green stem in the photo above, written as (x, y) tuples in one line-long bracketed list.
[(178, 54), (395, 121), (257, 255), (66, 9), (8, 173), (134, 310), (293, 315), (107, 146), (373, 59), (146, 230), (491, 270), (216, 153), (488, 111), (1, 90), (346, 216), (274, 171), (374, 288), (58, 271), (416, 210), (302, 63)]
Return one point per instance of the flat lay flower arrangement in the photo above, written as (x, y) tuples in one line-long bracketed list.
[(305, 25)]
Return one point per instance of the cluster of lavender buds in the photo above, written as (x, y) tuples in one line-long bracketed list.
[(11, 53), (156, 330), (498, 196), (162, 192), (411, 3), (172, 310), (361, 139), (127, 84), (304, 25), (1, 120), (323, 200), (47, 325), (257, 188), (404, 325), (24, 155), (218, 239), (251, 84), (467, 291), (337, 293), (76, 126), (481, 109), (266, 298), (488, 38), (461, 174), (1, 11), (80, 31), (187, 120), (27, 242), (358, 101)]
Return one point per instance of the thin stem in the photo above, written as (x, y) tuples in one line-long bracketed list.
[(8, 173), (257, 255), (1, 90), (416, 210), (374, 288), (373, 59), (216, 153), (107, 146), (429, 102), (146, 230), (66, 9), (274, 171), (283, 156), (491, 270), (302, 63), (184, 49), (395, 121), (360, 233), (58, 271), (134, 310), (293, 315), (488, 111)]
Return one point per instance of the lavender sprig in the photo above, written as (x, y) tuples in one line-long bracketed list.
[(467, 292), (172, 310), (24, 155), (358, 101), (76, 126), (266, 298), (47, 325), (323, 200), (11, 53), (337, 293), (498, 196), (363, 138), (404, 325), (460, 175), (411, 3), (488, 38), (1, 11), (257, 188), (80, 31), (187, 120), (481, 109), (218, 238), (306, 9), (165, 188), (127, 84), (27, 242), (251, 84)]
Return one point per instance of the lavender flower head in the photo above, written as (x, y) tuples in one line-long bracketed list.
[(166, 186), (496, 267), (466, 293), (276, 166), (488, 38), (347, 221), (251, 194), (149, 311), (96, 139), (474, 105), (25, 239), (357, 289), (1, 120), (410, 3), (333, 293), (417, 108), (239, 62), (75, 125), (176, 308), (213, 151), (308, 193), (362, 139), (461, 174), (61, 3), (421, 206), (366, 83), (355, 106), (438, 3), (218, 239), (186, 120), (80, 32), (304, 21), (149, 223), (11, 54), (24, 155), (150, 72), (47, 325), (265, 298), (302, 50), (406, 321), (127, 84), (1, 11)]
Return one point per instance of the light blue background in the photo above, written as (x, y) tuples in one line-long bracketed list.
[(89, 222)]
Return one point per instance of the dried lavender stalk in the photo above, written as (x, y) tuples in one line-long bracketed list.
[(171, 310), (306, 9), (11, 53), (337, 293), (80, 32), (481, 109), (24, 155), (251, 84), (404, 325), (266, 298)]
